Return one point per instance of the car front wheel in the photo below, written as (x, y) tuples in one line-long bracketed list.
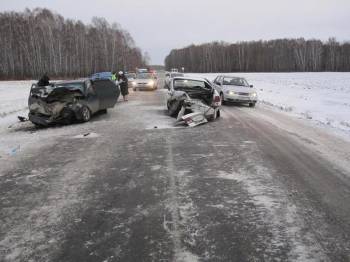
[(85, 114), (251, 104)]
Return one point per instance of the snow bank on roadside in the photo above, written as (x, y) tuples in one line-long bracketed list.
[(320, 97), (13, 97)]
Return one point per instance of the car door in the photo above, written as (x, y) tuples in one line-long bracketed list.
[(92, 99), (107, 93)]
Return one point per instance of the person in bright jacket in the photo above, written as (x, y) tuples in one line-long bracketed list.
[(114, 76), (123, 83)]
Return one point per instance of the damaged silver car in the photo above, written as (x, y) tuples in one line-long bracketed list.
[(68, 101), (193, 101)]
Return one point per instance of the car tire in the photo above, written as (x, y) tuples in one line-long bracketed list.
[(218, 114), (85, 114), (103, 111), (251, 104), (174, 108)]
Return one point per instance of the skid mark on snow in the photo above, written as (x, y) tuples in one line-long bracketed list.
[(178, 212)]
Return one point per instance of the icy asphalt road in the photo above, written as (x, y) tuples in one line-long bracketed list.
[(252, 186)]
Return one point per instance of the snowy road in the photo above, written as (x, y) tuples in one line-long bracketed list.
[(255, 185)]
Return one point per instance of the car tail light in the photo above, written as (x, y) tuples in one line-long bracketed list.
[(217, 99)]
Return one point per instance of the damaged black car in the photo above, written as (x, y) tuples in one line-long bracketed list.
[(69, 101)]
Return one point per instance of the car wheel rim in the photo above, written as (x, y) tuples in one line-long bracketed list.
[(86, 114)]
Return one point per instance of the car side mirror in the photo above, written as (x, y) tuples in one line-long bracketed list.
[(251, 86)]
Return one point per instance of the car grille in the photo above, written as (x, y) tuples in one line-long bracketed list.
[(243, 94)]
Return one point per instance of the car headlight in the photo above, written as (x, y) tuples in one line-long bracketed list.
[(134, 83), (253, 94), (230, 93), (151, 83)]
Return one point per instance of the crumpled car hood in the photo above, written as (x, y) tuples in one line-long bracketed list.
[(44, 92), (50, 101)]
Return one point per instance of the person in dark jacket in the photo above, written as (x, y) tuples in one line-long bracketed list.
[(123, 83), (44, 80)]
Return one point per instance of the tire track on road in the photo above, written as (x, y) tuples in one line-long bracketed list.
[(180, 253)]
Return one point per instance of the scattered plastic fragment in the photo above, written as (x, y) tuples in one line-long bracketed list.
[(22, 118), (14, 150)]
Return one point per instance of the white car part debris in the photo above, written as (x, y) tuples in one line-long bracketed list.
[(194, 119), (14, 150), (200, 113)]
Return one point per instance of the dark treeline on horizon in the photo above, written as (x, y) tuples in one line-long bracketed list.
[(281, 55), (39, 41)]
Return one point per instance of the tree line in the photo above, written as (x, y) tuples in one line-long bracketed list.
[(281, 55), (37, 41)]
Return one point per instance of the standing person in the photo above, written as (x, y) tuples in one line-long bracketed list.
[(123, 83), (44, 80)]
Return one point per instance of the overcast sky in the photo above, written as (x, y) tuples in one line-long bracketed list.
[(158, 26)]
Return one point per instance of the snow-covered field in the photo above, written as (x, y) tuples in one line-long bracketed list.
[(13, 96), (322, 98)]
